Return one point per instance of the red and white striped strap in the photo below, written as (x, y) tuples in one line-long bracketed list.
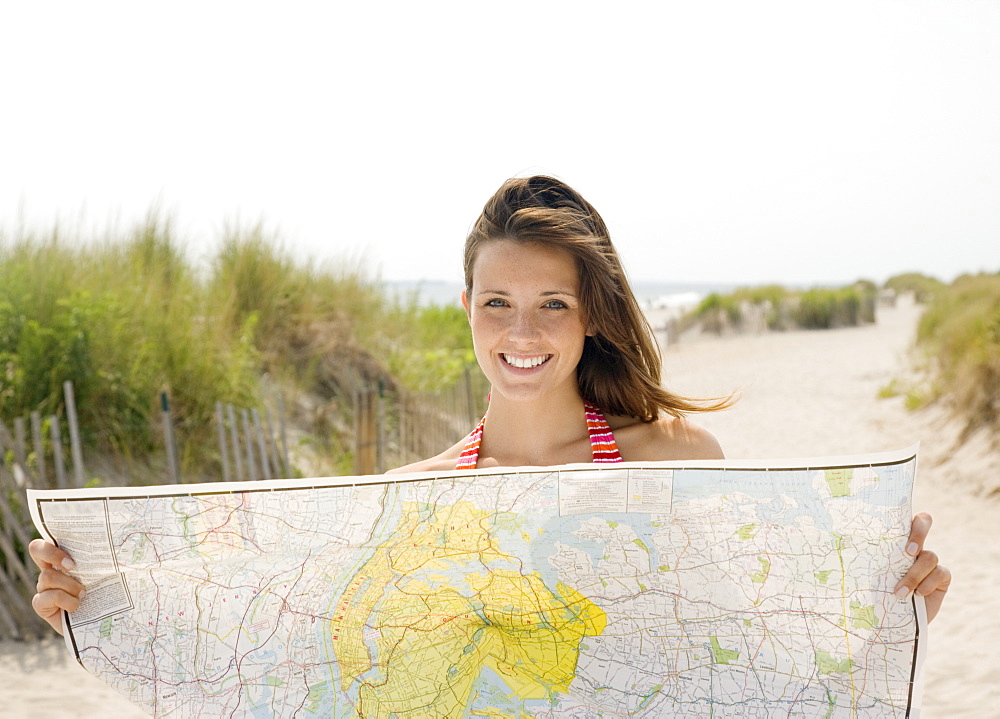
[(602, 441)]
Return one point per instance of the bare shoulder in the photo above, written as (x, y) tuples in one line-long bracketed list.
[(665, 439), (439, 463)]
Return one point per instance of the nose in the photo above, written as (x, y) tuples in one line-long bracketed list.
[(525, 327)]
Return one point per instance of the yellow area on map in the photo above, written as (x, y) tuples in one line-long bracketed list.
[(431, 640)]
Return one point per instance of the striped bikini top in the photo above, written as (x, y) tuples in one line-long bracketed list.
[(602, 441)]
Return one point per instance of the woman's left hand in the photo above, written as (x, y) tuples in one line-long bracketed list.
[(926, 577)]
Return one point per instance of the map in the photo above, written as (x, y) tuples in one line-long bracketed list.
[(699, 589)]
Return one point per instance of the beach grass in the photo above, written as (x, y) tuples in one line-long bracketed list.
[(959, 333), (126, 316), (922, 287), (775, 307)]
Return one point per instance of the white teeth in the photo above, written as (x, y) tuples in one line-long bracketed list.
[(525, 362)]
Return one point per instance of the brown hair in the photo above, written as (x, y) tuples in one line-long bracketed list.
[(620, 367)]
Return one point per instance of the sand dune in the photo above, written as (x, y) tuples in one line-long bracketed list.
[(802, 393)]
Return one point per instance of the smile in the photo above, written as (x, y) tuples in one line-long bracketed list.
[(525, 362)]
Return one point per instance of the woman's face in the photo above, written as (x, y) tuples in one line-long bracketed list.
[(527, 324)]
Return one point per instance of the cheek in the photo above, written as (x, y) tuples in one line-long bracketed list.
[(481, 323), (569, 331), (484, 331)]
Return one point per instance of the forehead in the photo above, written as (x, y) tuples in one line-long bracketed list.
[(513, 260)]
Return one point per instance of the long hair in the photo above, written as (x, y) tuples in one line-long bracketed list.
[(619, 370)]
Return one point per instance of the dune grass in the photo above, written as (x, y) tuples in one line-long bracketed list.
[(923, 287), (129, 316), (818, 308), (960, 333)]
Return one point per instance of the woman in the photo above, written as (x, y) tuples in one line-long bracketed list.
[(574, 369), (555, 323)]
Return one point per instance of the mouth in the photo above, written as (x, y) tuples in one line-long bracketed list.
[(529, 362)]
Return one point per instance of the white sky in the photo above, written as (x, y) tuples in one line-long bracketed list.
[(801, 142)]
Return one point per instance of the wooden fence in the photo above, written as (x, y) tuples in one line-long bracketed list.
[(393, 429), (17, 572), (390, 429), (39, 464)]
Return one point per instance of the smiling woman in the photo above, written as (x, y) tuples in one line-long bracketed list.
[(558, 332)]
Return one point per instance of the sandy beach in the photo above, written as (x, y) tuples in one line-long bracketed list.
[(801, 394)]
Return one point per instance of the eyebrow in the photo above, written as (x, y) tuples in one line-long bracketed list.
[(547, 293)]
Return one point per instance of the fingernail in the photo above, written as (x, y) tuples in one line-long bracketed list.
[(912, 549), (903, 592), (83, 593), (68, 564)]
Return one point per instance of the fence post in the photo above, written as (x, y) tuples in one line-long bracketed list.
[(235, 436), (74, 433), (470, 403), (265, 468), (404, 427), (20, 453), (364, 432), (284, 436), (380, 429), (168, 438), (248, 437), (358, 424), (8, 619), (57, 455), (223, 453), (36, 437), (280, 466)]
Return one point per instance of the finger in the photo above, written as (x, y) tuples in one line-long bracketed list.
[(922, 567), (938, 582), (54, 579), (47, 555), (50, 603), (919, 528)]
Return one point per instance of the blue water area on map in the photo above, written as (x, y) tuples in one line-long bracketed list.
[(767, 493), (770, 490), (489, 690), (263, 706), (890, 490), (565, 530)]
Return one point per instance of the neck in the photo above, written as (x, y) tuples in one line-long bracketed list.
[(537, 433)]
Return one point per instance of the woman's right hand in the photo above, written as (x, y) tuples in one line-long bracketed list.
[(55, 590)]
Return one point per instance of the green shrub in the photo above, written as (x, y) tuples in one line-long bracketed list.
[(842, 307), (813, 309), (922, 286), (960, 330), (128, 317)]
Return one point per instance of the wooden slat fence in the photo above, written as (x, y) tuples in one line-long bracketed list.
[(393, 429), (17, 572), (252, 444)]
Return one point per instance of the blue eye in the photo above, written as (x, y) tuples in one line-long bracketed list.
[(555, 305), (495, 302)]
